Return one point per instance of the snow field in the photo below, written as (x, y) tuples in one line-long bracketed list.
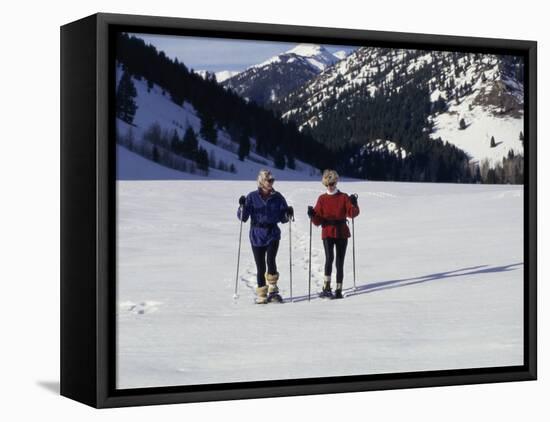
[(439, 277)]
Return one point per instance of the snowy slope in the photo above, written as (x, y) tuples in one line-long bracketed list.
[(341, 54), (155, 106), (439, 277), (221, 75), (131, 166), (475, 140)]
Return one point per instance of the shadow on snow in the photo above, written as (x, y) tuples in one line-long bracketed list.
[(392, 284)]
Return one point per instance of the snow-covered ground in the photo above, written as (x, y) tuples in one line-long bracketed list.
[(439, 285)]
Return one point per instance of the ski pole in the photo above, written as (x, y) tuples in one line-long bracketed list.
[(309, 281), (353, 250), (236, 295), (353, 247), (290, 252)]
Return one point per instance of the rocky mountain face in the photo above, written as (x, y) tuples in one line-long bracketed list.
[(275, 78)]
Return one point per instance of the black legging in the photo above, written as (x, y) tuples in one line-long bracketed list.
[(341, 245), (260, 255)]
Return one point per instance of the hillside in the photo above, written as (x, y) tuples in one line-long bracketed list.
[(484, 90), (181, 120), (155, 107)]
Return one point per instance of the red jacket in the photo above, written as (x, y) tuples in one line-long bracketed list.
[(329, 210)]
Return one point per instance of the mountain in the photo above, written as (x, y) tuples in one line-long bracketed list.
[(274, 78), (343, 104), (316, 55), (342, 54), (378, 114)]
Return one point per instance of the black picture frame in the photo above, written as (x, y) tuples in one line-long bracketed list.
[(88, 223)]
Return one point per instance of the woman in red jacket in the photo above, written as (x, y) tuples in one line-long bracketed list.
[(330, 212)]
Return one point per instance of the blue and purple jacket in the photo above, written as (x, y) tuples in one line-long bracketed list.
[(264, 215)]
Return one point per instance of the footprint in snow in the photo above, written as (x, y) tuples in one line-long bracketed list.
[(140, 308)]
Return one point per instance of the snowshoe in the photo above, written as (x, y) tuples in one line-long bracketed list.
[(274, 297), (326, 294)]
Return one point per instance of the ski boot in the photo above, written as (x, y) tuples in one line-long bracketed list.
[(272, 289), (338, 291), (261, 295), (326, 293)]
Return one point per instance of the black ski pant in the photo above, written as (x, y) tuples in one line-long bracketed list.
[(340, 245), (263, 255)]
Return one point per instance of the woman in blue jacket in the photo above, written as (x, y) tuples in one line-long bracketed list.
[(265, 207)]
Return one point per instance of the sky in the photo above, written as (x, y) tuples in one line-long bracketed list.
[(217, 54)]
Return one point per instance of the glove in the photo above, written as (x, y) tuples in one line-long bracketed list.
[(290, 212), (353, 199), (242, 200), (310, 211)]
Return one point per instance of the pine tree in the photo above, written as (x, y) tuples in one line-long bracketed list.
[(212, 159), (202, 159), (462, 124), (153, 134), (125, 99), (190, 143), (290, 162), (208, 130), (521, 137), (244, 146), (491, 176), (279, 160), (175, 143), (493, 143)]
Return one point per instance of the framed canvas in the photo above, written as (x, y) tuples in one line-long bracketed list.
[(255, 210)]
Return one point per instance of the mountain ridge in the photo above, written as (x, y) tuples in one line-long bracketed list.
[(266, 82)]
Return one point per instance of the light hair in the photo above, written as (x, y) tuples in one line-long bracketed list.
[(329, 176), (263, 175)]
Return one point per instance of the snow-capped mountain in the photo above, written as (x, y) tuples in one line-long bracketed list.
[(220, 76), (342, 54), (472, 98), (274, 78), (316, 55)]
